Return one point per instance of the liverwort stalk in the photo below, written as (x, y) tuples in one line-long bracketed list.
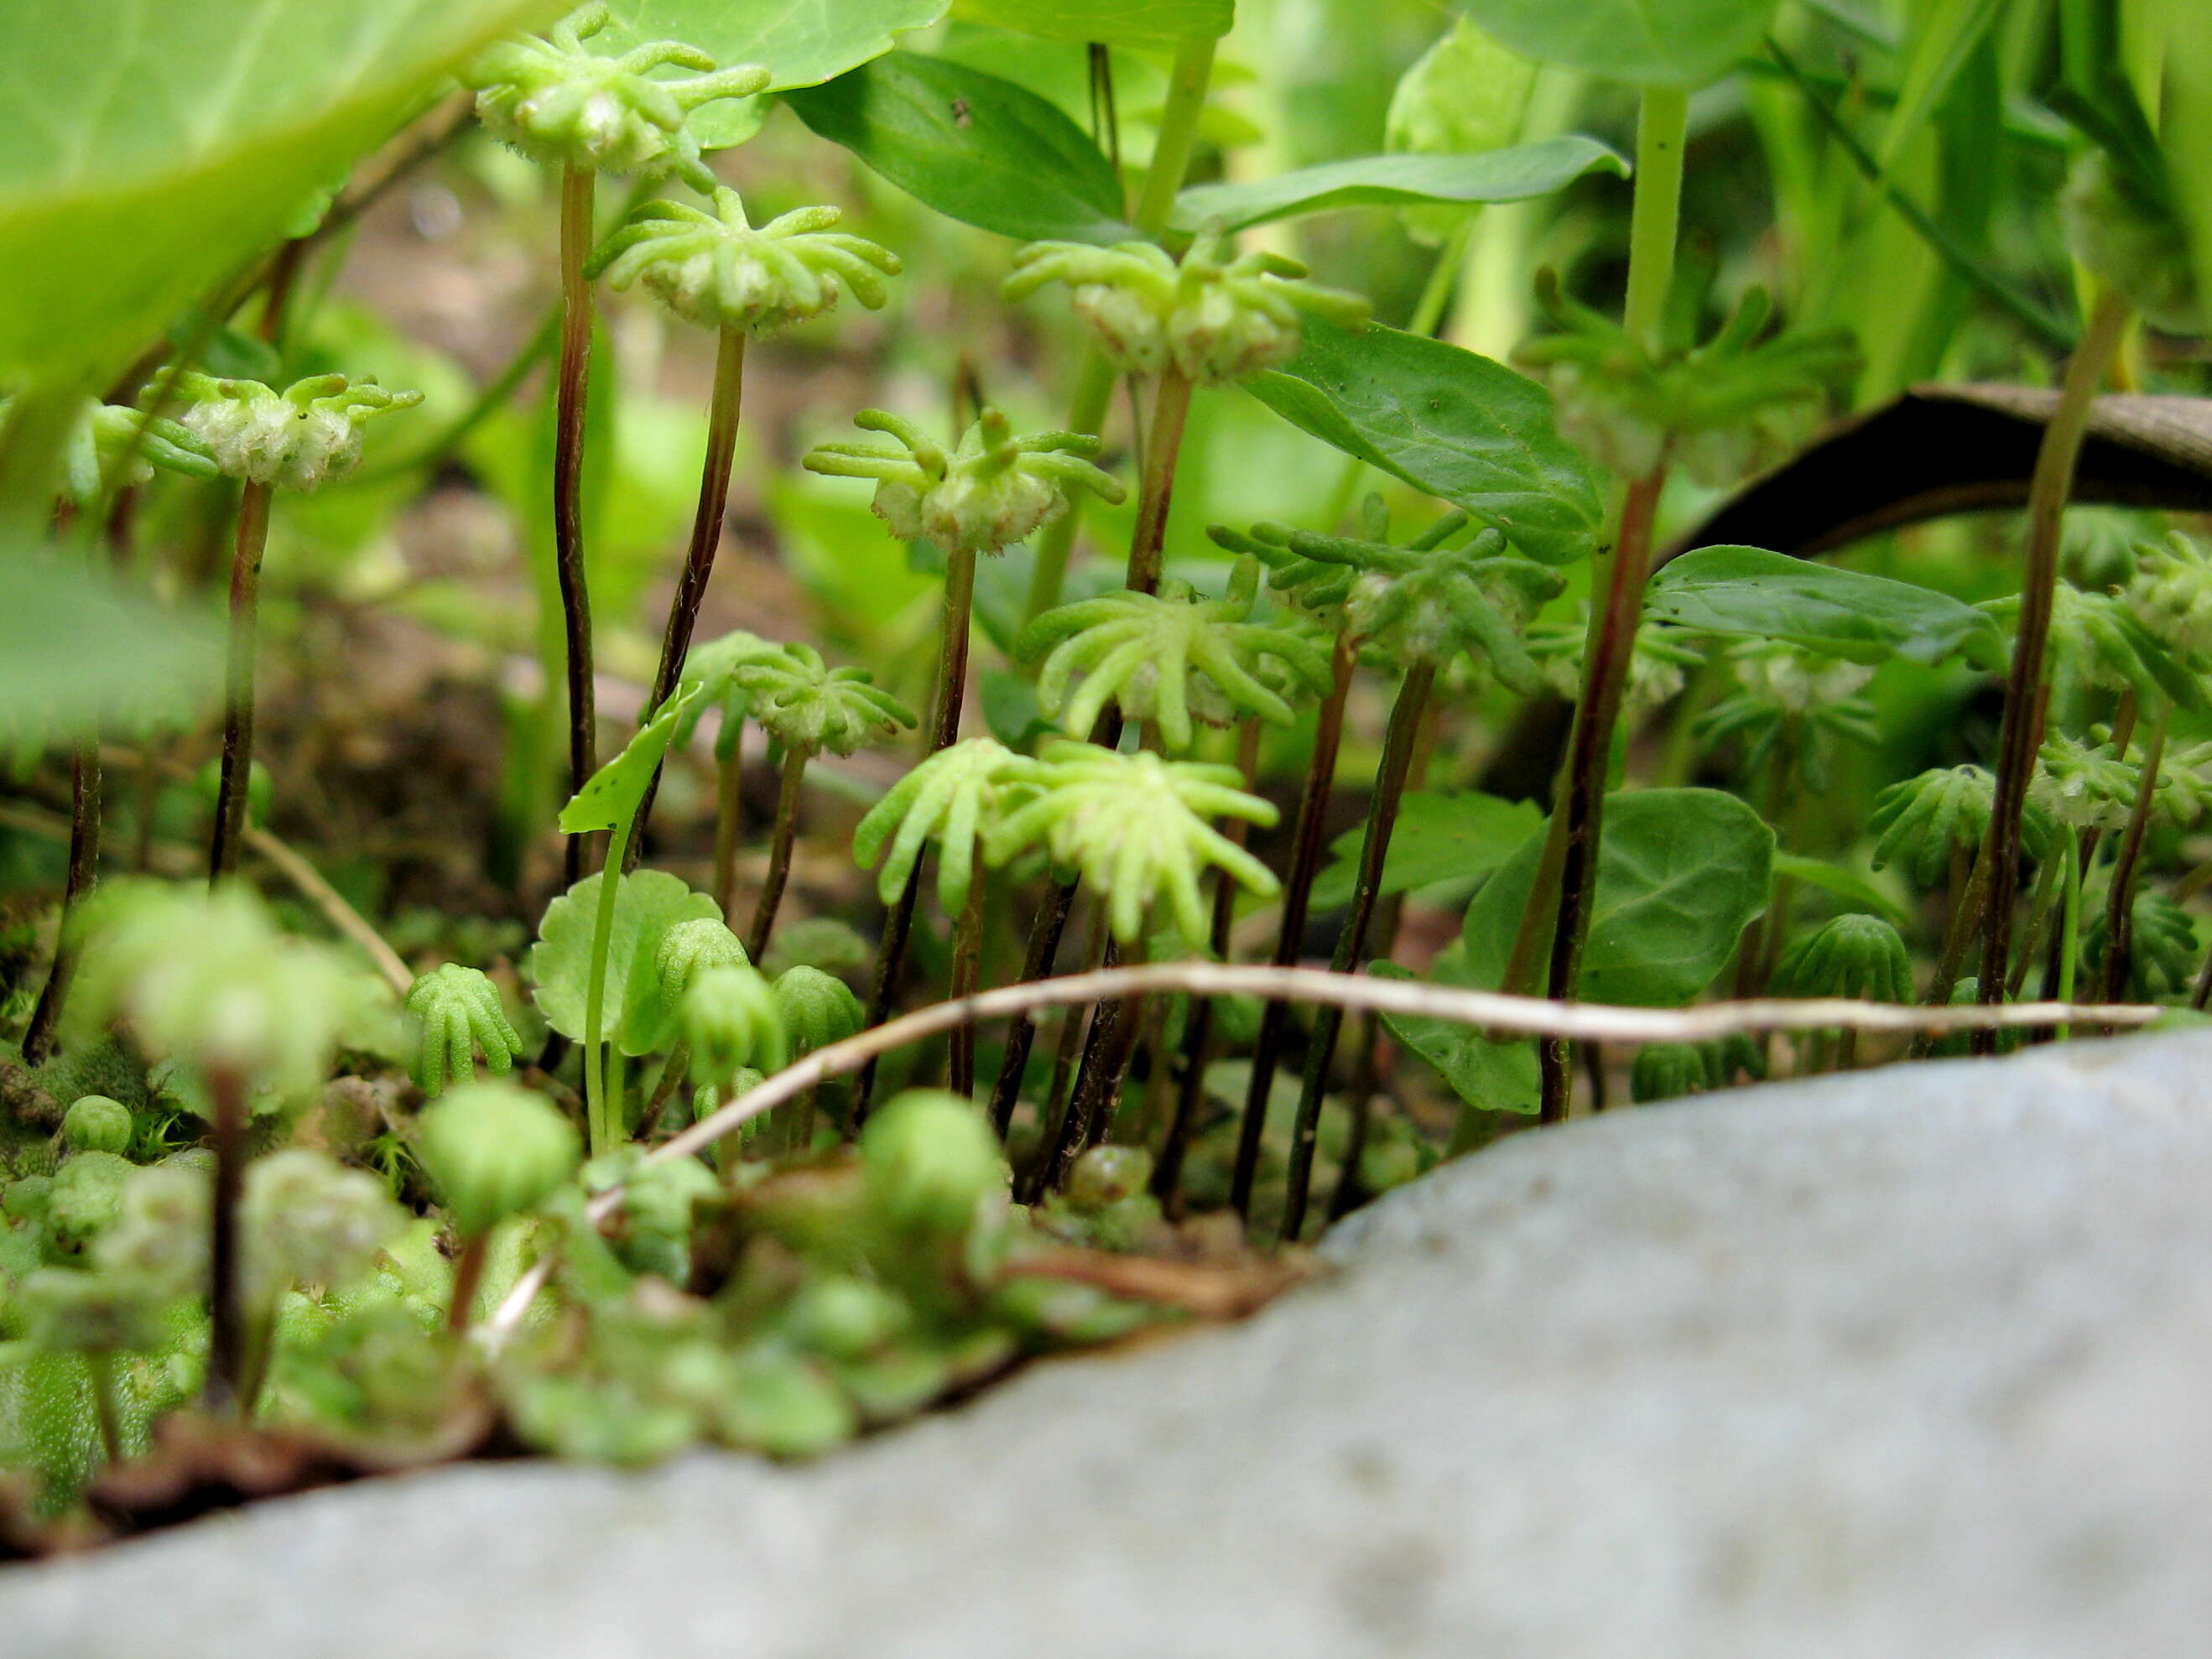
[(2119, 917), (572, 388), (2020, 736), (84, 867), (1578, 818)]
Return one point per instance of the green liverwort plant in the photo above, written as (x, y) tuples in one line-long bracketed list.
[(451, 1012), (492, 1150)]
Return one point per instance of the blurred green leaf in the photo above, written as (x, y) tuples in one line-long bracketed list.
[(800, 46), (559, 966), (1117, 22), (1662, 43), (1438, 837), (150, 147), (1849, 885), (1681, 873), (1446, 421), (81, 649), (1498, 175), (1747, 592), (1464, 95), (976, 148)]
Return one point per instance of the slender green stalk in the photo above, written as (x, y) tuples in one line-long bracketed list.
[(572, 393), (83, 867), (729, 816), (1351, 944), (2069, 925), (1557, 911), (1107, 1050), (101, 1363), (468, 1273), (779, 854), (1307, 840), (1046, 928), (944, 732), (1162, 445), (226, 1370), (1093, 391), (1198, 1045), (967, 975), (2039, 906), (252, 539), (2120, 914), (1351, 1191), (2052, 482), (723, 412), (599, 1118)]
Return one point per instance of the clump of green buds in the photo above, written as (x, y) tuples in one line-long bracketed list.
[(719, 272), (1666, 1070), (561, 103), (1168, 657), (1926, 821), (1854, 956), (2171, 594), (804, 703), (301, 438), (1658, 662), (2161, 947), (2082, 785), (98, 1124), (927, 1160), (990, 491), (2133, 240), (819, 1009), (494, 1150), (948, 798), (452, 1011), (1215, 316), (730, 1019)]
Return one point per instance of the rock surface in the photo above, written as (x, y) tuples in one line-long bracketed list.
[(1915, 1362)]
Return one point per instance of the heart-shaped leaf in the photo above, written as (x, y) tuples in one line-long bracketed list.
[(611, 795), (1447, 421), (1748, 593), (1438, 837), (800, 46), (559, 967), (1681, 873), (151, 147), (974, 146), (1497, 175), (1651, 43)]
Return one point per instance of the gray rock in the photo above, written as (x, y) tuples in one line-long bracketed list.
[(1915, 1362)]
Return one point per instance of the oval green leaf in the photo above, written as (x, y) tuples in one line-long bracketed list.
[(1117, 22), (1438, 837), (559, 967), (1450, 421), (974, 146), (612, 795), (151, 147), (1497, 175), (1681, 873), (1649, 43), (1748, 593), (800, 46)]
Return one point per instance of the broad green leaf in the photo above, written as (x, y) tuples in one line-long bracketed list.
[(1438, 837), (1650, 43), (1749, 592), (81, 649), (801, 46), (1450, 421), (974, 146), (559, 966), (611, 795), (2189, 139), (1854, 889), (1681, 873), (1464, 95), (1117, 22), (151, 146), (1498, 175)]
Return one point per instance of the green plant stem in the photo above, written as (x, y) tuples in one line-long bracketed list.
[(1187, 82), (724, 409), (729, 815), (944, 731), (2120, 915), (83, 867), (468, 1273), (1351, 1191), (2052, 482), (967, 975), (1307, 839), (1579, 815), (573, 392), (779, 854), (252, 539), (2069, 925), (1398, 748), (226, 1370), (1198, 1045), (101, 1364), (1046, 928), (1162, 444), (1107, 1050), (2039, 903), (599, 1115)]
